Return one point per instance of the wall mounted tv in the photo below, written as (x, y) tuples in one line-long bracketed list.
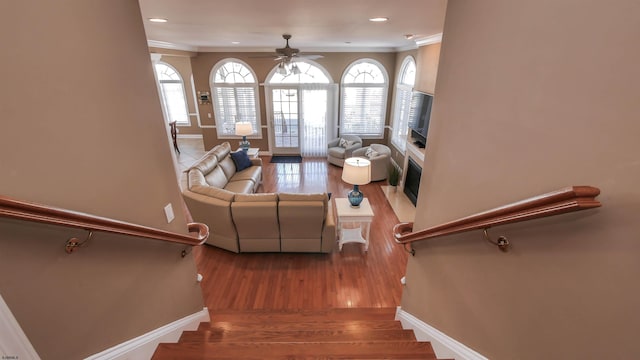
[(419, 116)]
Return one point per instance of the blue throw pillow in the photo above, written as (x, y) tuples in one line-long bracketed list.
[(241, 159)]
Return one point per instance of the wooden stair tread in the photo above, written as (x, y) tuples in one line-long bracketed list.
[(263, 350), (220, 335), (297, 325), (305, 315)]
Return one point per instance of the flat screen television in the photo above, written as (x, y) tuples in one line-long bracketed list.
[(419, 116)]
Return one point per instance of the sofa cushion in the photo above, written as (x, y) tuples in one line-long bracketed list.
[(253, 173), (337, 152), (345, 143), (216, 178), (370, 153), (228, 167), (303, 197), (213, 192), (311, 197), (222, 151), (206, 163), (240, 187), (241, 159), (256, 197)]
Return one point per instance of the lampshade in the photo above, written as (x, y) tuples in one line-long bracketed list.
[(356, 171), (244, 128)]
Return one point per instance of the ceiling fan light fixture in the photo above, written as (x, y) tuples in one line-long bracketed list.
[(282, 70), (295, 70)]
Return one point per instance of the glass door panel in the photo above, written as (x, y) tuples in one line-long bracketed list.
[(286, 121), (314, 115)]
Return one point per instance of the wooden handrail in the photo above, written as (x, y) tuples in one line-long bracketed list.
[(24, 210), (562, 201)]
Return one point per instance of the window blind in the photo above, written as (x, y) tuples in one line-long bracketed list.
[(363, 110), (401, 116), (234, 104)]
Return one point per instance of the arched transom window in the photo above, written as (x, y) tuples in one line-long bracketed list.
[(235, 97), (364, 97), (306, 73)]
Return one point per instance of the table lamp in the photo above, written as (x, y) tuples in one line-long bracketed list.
[(356, 171), (244, 128)]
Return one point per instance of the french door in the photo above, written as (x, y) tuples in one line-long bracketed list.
[(302, 118)]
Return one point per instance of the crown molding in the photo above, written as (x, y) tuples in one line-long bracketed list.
[(168, 45), (428, 40)]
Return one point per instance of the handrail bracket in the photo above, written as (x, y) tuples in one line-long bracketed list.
[(74, 243), (502, 243), (408, 248)]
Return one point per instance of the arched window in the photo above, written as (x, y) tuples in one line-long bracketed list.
[(364, 97), (174, 99), (402, 104), (235, 97)]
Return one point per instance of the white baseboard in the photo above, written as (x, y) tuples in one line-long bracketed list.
[(443, 345), (14, 344), (143, 347)]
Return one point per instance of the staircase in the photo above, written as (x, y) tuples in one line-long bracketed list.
[(329, 334)]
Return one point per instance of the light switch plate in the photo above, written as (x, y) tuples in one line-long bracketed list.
[(168, 211)]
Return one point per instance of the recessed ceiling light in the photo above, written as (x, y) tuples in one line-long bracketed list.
[(379, 19), (158, 20), (235, 42)]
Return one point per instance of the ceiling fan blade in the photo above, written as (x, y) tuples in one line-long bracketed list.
[(265, 56), (310, 56)]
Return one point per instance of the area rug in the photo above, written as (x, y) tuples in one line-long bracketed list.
[(286, 159)]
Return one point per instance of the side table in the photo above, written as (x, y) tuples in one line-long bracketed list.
[(353, 222), (251, 152)]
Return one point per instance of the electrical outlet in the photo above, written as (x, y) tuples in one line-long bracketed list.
[(168, 211), (209, 115)]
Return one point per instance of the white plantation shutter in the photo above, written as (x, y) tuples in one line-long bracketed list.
[(402, 105), (234, 97), (363, 111), (234, 104), (364, 98), (401, 117)]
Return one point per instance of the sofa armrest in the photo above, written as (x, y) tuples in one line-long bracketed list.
[(359, 151), (333, 143), (348, 151), (329, 231), (256, 162)]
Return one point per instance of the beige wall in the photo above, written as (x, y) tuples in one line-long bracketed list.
[(83, 130), (532, 97), (334, 63)]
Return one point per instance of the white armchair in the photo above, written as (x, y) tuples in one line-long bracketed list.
[(380, 157), (337, 152)]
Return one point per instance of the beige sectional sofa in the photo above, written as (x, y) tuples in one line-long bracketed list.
[(241, 220)]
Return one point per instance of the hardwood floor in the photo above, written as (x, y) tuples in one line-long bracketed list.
[(288, 281)]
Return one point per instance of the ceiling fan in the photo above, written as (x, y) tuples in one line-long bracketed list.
[(287, 54)]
